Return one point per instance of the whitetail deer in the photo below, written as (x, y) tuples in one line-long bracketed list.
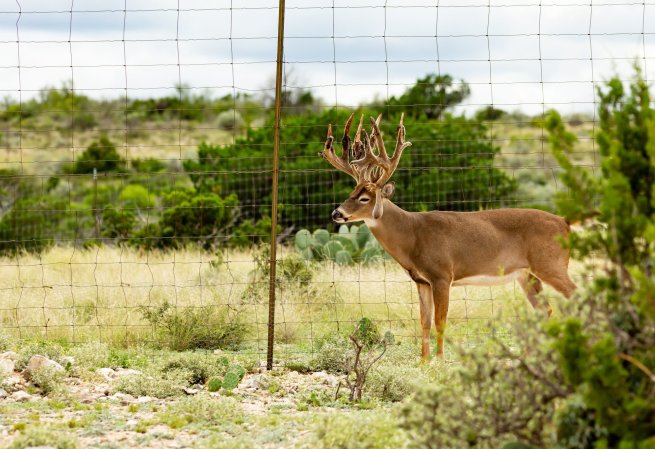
[(440, 249)]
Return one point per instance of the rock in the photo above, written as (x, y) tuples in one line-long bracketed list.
[(21, 396), (144, 399), (3, 393), (107, 373), (132, 422), (7, 366), (256, 382), (38, 362), (325, 378), (11, 355), (124, 398), (190, 391), (120, 372), (15, 380), (68, 361), (102, 389)]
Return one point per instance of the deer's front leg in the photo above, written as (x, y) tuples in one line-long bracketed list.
[(427, 313), (441, 296)]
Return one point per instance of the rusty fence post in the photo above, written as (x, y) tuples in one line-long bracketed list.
[(276, 166)]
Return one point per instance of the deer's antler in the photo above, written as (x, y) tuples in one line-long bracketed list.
[(366, 166), (378, 169), (340, 163)]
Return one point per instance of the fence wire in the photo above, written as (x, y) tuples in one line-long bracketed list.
[(136, 156)]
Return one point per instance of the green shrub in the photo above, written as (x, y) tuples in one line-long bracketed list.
[(201, 366), (186, 328), (101, 155), (331, 353), (42, 436), (370, 430), (136, 196), (48, 379), (147, 165), (158, 385), (117, 224)]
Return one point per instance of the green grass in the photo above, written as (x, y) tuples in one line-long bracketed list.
[(72, 296)]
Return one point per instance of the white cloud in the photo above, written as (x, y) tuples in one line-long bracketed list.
[(518, 56)]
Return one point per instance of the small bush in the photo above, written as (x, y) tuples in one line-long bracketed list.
[(229, 120), (373, 430), (43, 437), (147, 165), (331, 354), (50, 350), (136, 196), (159, 385), (202, 409), (195, 328), (48, 379), (101, 155), (200, 366), (91, 355)]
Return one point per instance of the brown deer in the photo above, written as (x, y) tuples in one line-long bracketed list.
[(440, 249)]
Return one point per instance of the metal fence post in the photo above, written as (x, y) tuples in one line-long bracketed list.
[(276, 164)]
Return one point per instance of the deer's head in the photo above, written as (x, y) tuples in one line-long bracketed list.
[(366, 160)]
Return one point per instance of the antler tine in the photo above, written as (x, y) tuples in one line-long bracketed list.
[(379, 141), (400, 146), (340, 163)]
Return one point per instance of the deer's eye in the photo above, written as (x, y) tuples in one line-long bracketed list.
[(364, 199)]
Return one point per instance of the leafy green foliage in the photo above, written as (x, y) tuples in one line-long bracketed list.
[(583, 379), (194, 328), (199, 218), (452, 158), (430, 97), (101, 155), (116, 223)]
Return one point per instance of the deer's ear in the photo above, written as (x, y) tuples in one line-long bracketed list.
[(377, 210), (387, 190)]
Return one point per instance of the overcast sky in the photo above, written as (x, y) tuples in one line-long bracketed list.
[(346, 51)]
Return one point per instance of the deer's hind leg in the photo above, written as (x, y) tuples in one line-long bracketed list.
[(441, 296), (532, 286), (427, 313)]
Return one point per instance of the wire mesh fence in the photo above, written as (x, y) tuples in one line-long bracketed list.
[(136, 156)]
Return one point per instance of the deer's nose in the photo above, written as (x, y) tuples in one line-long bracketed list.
[(336, 214)]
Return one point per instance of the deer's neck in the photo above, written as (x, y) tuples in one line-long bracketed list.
[(393, 230)]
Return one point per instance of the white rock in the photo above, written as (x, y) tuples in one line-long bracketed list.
[(107, 373), (38, 362), (101, 388), (11, 355), (124, 398), (7, 366), (3, 393), (120, 372), (256, 382), (132, 422), (14, 380), (21, 396), (190, 391), (144, 399), (325, 378)]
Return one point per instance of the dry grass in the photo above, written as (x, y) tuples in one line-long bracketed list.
[(78, 295)]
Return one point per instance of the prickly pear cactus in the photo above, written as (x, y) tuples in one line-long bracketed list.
[(347, 246), (214, 384)]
